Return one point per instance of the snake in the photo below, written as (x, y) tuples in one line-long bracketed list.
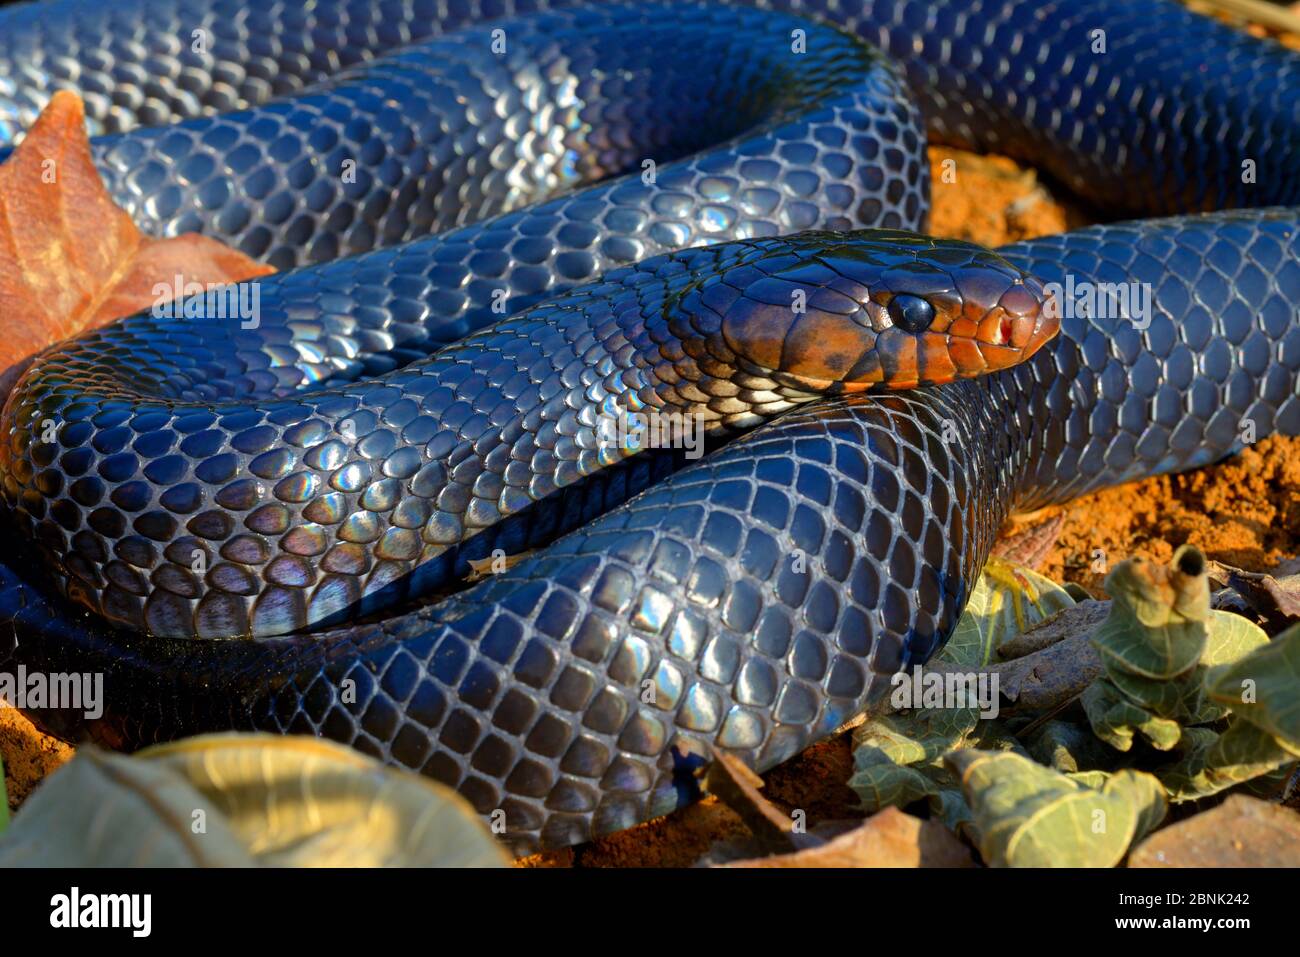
[(505, 225)]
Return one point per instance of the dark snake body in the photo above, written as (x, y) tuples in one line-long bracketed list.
[(580, 689)]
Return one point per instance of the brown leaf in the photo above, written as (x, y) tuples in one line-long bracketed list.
[(1276, 600), (1028, 540), (737, 786), (70, 259), (888, 839), (1240, 832)]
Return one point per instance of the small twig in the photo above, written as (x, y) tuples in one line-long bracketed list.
[(1292, 783), (1046, 716)]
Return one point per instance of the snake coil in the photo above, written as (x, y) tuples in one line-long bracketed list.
[(291, 482)]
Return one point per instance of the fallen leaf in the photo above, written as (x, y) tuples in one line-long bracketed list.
[(1006, 600), (70, 259), (241, 800), (1157, 626), (1030, 541), (888, 839), (1275, 600), (1240, 832), (737, 786), (1031, 816), (481, 568), (1261, 688), (1048, 677)]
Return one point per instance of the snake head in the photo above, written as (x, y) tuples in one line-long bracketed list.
[(873, 309)]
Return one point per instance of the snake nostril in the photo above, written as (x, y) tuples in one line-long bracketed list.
[(911, 313)]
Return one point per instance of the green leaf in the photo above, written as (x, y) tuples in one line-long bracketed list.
[(1261, 688), (1152, 688), (1144, 792), (1067, 747), (949, 805), (1031, 816), (1089, 779), (1231, 638), (1077, 592), (104, 809), (1116, 720), (917, 736), (1006, 600), (1157, 626), (244, 799), (1214, 762), (898, 757), (880, 783), (1273, 784), (1177, 699)]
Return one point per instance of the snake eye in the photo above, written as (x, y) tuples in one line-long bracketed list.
[(911, 313)]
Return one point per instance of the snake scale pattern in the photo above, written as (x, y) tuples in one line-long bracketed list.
[(658, 613)]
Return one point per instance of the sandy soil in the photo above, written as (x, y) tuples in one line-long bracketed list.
[(1245, 512)]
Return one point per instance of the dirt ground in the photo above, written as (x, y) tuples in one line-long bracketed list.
[(1245, 512)]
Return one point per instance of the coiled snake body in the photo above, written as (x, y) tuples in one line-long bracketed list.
[(300, 477)]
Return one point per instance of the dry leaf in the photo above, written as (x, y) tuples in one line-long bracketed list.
[(1029, 541), (737, 786), (70, 259), (1276, 600), (888, 839), (242, 800)]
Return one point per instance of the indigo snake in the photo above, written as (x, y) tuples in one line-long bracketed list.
[(350, 451)]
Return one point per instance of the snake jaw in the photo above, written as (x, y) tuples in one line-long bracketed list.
[(1023, 320)]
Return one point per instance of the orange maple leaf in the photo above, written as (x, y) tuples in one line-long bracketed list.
[(70, 258)]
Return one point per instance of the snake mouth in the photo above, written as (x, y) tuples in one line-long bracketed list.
[(877, 310), (1010, 331)]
